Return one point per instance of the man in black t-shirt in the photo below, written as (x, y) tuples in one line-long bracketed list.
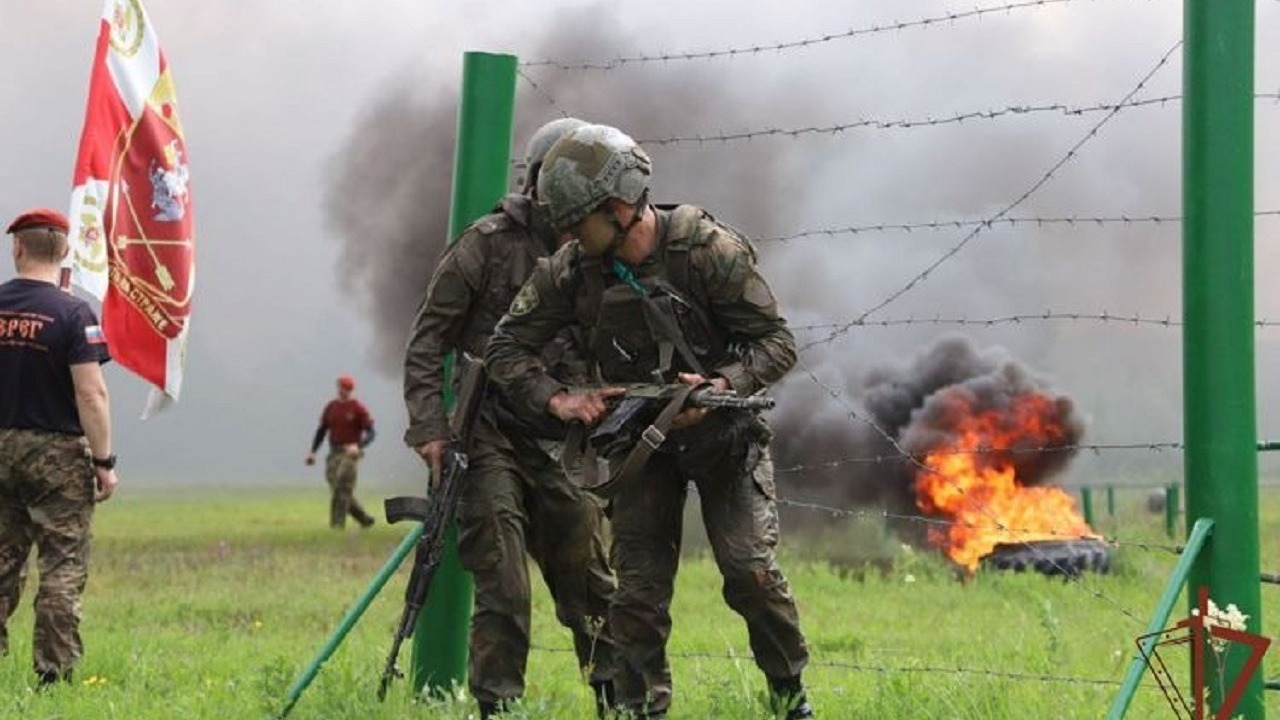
[(55, 440)]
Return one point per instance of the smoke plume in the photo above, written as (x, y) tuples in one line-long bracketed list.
[(908, 409), (388, 202)]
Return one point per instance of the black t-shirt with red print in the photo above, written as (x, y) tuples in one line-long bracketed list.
[(43, 332)]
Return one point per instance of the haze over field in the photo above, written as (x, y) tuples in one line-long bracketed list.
[(321, 140)]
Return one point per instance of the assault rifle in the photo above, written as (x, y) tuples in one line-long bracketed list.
[(435, 512), (638, 423)]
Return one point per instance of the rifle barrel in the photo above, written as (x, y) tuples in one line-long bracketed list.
[(712, 399)]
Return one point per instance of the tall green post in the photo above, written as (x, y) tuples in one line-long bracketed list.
[(1086, 504), (1218, 340), (480, 173)]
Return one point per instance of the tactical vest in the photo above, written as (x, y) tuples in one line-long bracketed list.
[(635, 338)]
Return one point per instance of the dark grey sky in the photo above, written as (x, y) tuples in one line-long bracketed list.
[(272, 92)]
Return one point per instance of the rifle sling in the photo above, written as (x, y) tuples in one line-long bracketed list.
[(652, 437), (663, 325)]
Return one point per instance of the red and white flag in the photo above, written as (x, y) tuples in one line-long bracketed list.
[(132, 237)]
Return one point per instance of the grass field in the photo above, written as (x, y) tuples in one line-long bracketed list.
[(204, 606)]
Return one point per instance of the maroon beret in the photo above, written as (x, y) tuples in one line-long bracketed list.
[(40, 217)]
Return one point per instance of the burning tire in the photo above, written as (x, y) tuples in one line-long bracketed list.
[(1068, 558)]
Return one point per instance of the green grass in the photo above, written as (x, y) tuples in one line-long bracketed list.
[(206, 607)]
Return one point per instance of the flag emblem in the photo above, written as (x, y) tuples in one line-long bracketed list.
[(93, 334), (127, 24)]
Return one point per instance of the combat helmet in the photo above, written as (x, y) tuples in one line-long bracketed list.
[(540, 142), (587, 167)]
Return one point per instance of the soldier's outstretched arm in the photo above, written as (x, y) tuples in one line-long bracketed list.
[(540, 310), (441, 318), (743, 305)]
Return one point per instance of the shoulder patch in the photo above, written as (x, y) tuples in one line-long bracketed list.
[(525, 301)]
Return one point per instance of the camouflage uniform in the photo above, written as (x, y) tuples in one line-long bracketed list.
[(515, 498), (706, 274), (46, 500), (340, 474)]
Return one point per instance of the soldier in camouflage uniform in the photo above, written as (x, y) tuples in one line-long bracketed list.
[(55, 441), (632, 265), (515, 497)]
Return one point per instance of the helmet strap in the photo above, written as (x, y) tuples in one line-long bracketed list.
[(620, 236)]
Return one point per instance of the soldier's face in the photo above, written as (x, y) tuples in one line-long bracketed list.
[(598, 232)]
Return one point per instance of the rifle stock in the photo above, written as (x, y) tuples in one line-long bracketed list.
[(435, 514)]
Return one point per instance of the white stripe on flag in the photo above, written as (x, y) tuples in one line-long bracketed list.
[(87, 255), (133, 56)]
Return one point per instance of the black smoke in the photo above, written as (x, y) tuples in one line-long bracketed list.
[(858, 452), (388, 201)]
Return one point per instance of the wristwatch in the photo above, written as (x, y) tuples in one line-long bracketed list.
[(106, 463)]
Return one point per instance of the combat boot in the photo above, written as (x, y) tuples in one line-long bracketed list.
[(49, 678), (494, 709), (787, 699), (606, 698)]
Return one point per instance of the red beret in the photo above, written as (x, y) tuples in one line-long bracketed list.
[(40, 217), (347, 382)]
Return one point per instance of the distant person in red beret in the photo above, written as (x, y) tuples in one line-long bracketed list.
[(55, 441), (350, 429)]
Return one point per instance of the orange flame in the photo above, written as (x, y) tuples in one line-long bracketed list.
[(980, 491)]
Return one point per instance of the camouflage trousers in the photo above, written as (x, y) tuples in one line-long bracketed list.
[(515, 504), (738, 509), (340, 473), (46, 501)]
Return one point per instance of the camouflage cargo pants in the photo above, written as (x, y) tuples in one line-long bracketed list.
[(738, 509), (46, 500), (340, 473), (510, 509)]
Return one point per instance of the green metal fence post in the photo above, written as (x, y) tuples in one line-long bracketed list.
[(1221, 461), (1111, 501), (349, 620), (480, 173), (1172, 504), (1086, 504), (1195, 542)]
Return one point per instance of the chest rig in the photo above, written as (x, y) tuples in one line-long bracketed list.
[(647, 323)]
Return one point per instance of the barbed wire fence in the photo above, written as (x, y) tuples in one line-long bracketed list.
[(799, 44), (1075, 221), (972, 229)]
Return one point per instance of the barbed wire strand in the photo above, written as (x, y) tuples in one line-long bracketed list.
[(1070, 221), (854, 415), (878, 459), (723, 137), (542, 93), (902, 124), (1104, 317), (1041, 182), (778, 47), (1097, 448), (1019, 319), (879, 514), (925, 669)]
